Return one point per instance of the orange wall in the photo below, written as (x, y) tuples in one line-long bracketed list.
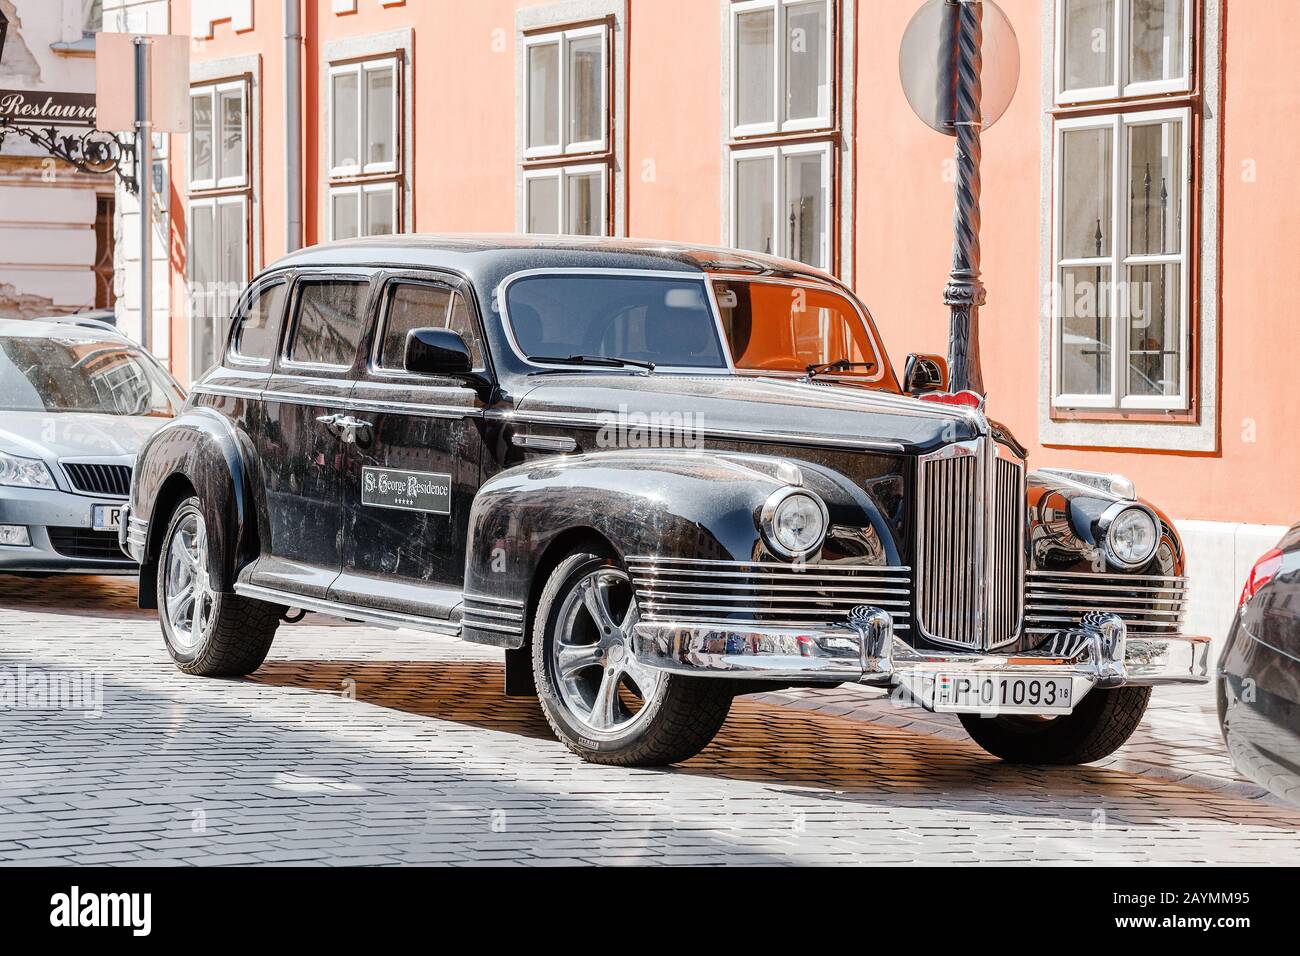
[(464, 174)]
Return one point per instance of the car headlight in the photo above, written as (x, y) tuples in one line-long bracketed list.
[(794, 522), (24, 472), (1130, 534)]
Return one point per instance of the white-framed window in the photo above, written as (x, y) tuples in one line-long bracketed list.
[(1122, 284), (368, 209), (566, 200), (365, 148), (219, 136), (566, 92), (218, 271), (782, 64), (1107, 49), (781, 201), (363, 118)]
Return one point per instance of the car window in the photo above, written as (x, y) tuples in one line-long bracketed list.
[(76, 374), (260, 325), (422, 305), (328, 327), (787, 328), (665, 320)]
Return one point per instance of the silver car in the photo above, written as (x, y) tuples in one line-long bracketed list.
[(77, 400)]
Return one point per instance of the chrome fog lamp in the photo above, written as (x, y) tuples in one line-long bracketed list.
[(1129, 534), (794, 522)]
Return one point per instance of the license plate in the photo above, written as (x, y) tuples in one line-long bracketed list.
[(107, 517), (1002, 694)]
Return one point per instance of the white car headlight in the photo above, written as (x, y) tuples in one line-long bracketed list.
[(24, 472), (794, 522), (1131, 535)]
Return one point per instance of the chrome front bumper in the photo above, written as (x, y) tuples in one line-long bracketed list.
[(1097, 653)]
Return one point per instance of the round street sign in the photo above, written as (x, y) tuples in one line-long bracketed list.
[(927, 63)]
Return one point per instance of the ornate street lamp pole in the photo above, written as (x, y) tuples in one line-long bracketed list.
[(958, 63), (964, 293)]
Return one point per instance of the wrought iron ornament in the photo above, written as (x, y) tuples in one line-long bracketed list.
[(965, 293), (92, 151)]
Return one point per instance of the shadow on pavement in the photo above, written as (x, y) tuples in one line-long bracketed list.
[(770, 744), (75, 595)]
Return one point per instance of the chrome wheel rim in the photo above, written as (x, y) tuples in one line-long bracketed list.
[(189, 597), (602, 685)]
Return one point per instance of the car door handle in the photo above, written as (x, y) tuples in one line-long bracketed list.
[(346, 428)]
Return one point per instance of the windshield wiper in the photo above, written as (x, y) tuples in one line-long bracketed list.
[(609, 361), (839, 365)]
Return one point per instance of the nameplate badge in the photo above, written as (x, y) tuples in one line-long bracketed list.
[(406, 490)]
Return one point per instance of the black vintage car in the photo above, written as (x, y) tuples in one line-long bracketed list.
[(657, 476), (1258, 686)]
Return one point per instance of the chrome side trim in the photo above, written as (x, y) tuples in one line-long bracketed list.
[(348, 401), (348, 611), (557, 443), (137, 533), (227, 391), (485, 612), (582, 420)]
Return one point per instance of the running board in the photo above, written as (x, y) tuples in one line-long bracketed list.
[(348, 611)]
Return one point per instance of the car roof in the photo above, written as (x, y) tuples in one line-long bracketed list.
[(67, 327), (488, 254)]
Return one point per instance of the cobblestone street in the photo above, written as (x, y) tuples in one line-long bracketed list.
[(357, 745)]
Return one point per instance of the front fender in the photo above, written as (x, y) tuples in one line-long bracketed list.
[(200, 452), (1062, 530), (680, 504)]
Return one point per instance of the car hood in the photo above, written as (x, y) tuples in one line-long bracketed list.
[(53, 435), (762, 408)]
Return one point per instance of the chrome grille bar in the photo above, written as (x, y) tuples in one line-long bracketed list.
[(97, 478), (1151, 606), (740, 592)]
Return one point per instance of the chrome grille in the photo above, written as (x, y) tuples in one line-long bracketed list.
[(94, 478), (1005, 574), (948, 529), (1151, 606), (816, 595), (970, 546)]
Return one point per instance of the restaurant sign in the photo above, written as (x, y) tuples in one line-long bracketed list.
[(43, 109)]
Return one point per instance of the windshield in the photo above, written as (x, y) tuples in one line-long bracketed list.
[(662, 320), (777, 327), (81, 375)]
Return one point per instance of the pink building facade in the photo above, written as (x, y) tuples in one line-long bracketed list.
[(1141, 216)]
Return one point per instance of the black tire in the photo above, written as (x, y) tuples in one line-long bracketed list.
[(1098, 727), (236, 633), (677, 722)]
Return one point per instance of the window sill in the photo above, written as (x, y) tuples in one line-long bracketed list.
[(567, 159), (1143, 430)]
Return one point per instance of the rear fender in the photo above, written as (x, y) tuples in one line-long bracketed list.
[(198, 453)]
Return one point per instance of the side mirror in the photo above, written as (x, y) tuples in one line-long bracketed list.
[(925, 373), (437, 352)]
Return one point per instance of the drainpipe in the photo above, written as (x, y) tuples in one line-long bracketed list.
[(292, 127)]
